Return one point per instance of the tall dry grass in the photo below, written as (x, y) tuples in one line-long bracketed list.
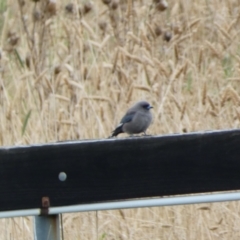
[(69, 70)]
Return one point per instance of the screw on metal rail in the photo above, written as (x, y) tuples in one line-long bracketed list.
[(45, 206)]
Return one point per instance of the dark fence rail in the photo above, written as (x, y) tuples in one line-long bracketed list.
[(119, 169)]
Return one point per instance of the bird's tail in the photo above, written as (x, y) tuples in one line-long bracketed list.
[(117, 131)]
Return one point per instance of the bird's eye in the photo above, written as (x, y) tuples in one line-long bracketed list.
[(146, 106)]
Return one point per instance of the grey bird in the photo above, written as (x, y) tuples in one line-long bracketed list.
[(136, 120)]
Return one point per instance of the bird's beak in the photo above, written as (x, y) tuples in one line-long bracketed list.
[(150, 107)]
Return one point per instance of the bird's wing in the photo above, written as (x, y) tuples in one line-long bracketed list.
[(128, 117)]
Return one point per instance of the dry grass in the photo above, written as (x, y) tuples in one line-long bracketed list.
[(69, 70)]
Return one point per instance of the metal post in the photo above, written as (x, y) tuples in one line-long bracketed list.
[(47, 227)]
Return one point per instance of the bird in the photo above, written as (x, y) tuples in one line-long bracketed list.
[(136, 120)]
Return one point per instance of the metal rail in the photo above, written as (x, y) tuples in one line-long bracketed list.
[(141, 203)]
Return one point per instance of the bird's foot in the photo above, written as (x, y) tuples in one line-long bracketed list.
[(146, 135), (132, 136)]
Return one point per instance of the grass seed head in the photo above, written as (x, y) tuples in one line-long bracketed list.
[(87, 7), (106, 1), (102, 25), (12, 38), (176, 29), (162, 5), (22, 3), (157, 30), (114, 4), (51, 7), (37, 15), (57, 70), (28, 61), (167, 36), (69, 8)]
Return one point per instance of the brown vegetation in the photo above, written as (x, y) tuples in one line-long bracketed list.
[(69, 70)]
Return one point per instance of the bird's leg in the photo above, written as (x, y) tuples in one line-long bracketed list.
[(132, 135), (145, 134), (111, 136)]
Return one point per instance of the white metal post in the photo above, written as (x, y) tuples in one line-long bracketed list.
[(47, 227)]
